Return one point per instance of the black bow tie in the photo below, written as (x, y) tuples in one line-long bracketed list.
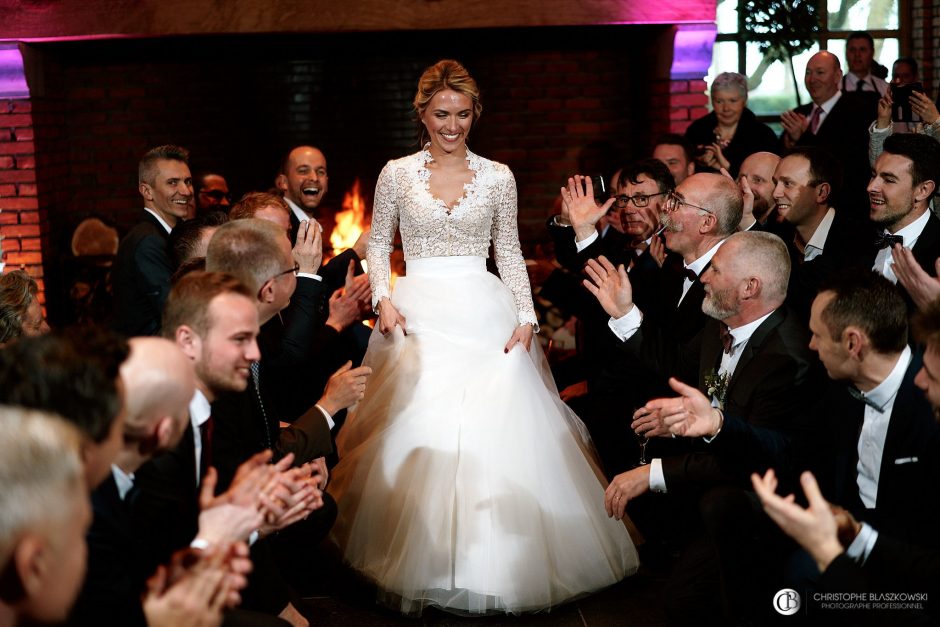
[(857, 395), (690, 274), (883, 240)]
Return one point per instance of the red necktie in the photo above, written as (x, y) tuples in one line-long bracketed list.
[(727, 341), (814, 119)]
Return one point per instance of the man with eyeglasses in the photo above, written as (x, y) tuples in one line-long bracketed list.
[(211, 193)]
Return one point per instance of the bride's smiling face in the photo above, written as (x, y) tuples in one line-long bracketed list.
[(448, 118)]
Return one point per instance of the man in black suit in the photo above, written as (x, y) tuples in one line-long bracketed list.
[(158, 385), (213, 319), (855, 557), (904, 180), (835, 120), (825, 241), (754, 373), (304, 181), (142, 268), (758, 172)]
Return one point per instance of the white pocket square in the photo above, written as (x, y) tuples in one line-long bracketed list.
[(905, 460)]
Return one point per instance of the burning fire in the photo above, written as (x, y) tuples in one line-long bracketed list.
[(350, 222)]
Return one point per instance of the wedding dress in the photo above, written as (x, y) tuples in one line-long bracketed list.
[(464, 481)]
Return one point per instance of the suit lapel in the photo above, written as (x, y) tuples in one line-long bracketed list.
[(925, 248), (754, 344)]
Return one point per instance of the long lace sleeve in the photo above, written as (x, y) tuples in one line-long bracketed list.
[(509, 260), (382, 238)]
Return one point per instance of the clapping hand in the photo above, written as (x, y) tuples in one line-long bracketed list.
[(794, 125), (611, 286), (713, 157), (308, 247), (815, 527), (690, 415), (923, 288)]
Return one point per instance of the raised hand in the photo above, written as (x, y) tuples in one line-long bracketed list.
[(195, 598), (583, 210), (794, 125), (923, 288), (345, 388), (924, 107), (884, 110), (308, 246), (611, 286), (814, 527), (345, 303)]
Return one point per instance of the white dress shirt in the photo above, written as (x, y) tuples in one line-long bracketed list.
[(871, 439), (826, 109), (814, 247), (870, 83), (162, 222), (123, 480)]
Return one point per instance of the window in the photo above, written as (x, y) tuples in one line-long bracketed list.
[(770, 83)]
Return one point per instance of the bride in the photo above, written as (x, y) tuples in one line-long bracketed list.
[(464, 482)]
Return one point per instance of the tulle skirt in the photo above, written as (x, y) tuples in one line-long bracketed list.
[(464, 482)]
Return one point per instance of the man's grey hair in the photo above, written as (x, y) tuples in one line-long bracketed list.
[(765, 256), (249, 250), (40, 472)]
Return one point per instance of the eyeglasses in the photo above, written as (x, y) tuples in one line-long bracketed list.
[(216, 194), (674, 201), (639, 200), (295, 270)]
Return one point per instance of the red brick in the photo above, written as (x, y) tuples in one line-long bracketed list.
[(19, 203), (583, 128), (679, 114), (27, 259), (678, 127), (25, 134), (25, 163), (29, 217), (679, 87), (30, 243), (17, 148), (21, 106), (27, 189), (6, 135), (20, 230), (17, 176), (697, 112), (11, 245), (697, 86), (9, 217), (541, 105), (13, 120), (583, 103), (689, 100), (6, 163), (7, 190), (87, 93)]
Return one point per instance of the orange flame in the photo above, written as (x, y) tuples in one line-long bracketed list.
[(350, 223)]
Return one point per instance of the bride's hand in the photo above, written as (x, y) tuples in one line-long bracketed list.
[(522, 335), (389, 318)]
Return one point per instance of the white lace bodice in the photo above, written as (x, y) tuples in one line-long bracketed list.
[(486, 211)]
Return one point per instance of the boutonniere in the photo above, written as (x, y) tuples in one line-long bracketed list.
[(717, 386)]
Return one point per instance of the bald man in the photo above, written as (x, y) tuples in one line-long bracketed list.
[(159, 382), (835, 120), (758, 171)]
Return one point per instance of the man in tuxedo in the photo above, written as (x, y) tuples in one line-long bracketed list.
[(46, 513), (158, 384), (903, 182), (758, 170), (304, 181), (753, 372), (835, 120), (676, 153), (855, 557), (142, 267), (213, 320), (825, 241)]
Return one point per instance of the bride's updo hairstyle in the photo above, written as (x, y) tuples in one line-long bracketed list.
[(446, 74)]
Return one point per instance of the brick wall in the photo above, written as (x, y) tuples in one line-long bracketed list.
[(20, 217), (239, 102)]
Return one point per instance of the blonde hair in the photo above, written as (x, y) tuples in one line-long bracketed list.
[(445, 74)]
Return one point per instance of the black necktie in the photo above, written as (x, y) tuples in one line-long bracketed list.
[(860, 85), (884, 240), (727, 340), (857, 395), (256, 379), (205, 459)]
